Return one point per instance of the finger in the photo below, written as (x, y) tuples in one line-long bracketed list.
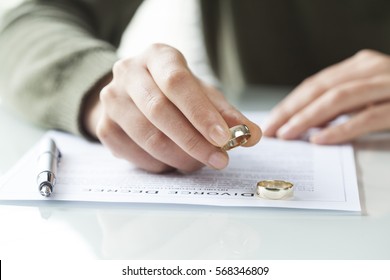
[(171, 74), (364, 64), (374, 118), (339, 100), (155, 142), (233, 116), (308, 91), (290, 105), (164, 115), (137, 127), (121, 146)]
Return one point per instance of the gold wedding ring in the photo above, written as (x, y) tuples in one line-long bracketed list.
[(239, 135), (274, 189)]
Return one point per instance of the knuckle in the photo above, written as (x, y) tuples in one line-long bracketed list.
[(191, 143), (339, 95), (155, 105), (157, 47), (313, 85), (366, 54), (107, 94), (156, 140), (373, 59), (170, 52), (176, 77), (177, 55), (197, 113), (172, 64), (309, 81), (119, 66)]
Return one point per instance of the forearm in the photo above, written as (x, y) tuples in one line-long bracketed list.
[(51, 56)]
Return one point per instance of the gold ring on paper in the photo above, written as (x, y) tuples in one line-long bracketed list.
[(274, 189), (239, 135)]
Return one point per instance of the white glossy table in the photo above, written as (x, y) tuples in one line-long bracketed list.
[(144, 231)]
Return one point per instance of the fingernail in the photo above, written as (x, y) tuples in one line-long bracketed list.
[(285, 131), (218, 160), (219, 135)]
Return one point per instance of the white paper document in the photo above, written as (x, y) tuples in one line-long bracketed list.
[(324, 177)]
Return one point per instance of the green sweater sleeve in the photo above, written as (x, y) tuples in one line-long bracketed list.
[(53, 52)]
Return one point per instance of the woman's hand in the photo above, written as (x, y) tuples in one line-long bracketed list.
[(358, 85), (156, 114)]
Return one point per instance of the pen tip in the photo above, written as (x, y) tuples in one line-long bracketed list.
[(45, 190)]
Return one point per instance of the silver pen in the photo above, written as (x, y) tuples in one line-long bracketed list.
[(48, 160)]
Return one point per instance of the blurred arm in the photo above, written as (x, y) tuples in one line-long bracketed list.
[(52, 53)]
